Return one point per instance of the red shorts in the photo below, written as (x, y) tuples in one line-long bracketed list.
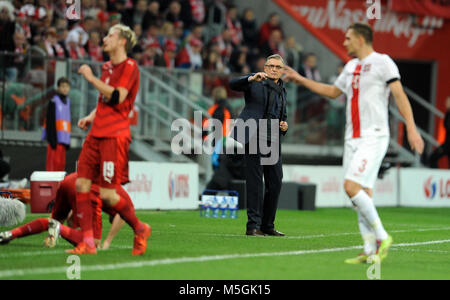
[(56, 158), (104, 160)]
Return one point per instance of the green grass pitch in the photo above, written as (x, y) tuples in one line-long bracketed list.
[(186, 246)]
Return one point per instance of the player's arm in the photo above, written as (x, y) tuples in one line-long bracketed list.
[(86, 121), (117, 224), (404, 107), (117, 95), (323, 89)]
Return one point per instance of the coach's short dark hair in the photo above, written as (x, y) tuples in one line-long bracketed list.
[(62, 80), (364, 30)]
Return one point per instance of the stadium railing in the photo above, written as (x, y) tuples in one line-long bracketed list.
[(169, 94)]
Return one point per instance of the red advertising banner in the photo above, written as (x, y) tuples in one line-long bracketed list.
[(395, 34), (435, 8)]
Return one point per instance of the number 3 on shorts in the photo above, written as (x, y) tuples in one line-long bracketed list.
[(363, 166), (108, 171)]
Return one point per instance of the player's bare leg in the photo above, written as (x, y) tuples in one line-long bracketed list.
[(141, 230)]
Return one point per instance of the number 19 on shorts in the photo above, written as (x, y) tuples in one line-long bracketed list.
[(108, 171)]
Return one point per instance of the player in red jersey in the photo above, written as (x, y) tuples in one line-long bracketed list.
[(104, 155), (64, 209)]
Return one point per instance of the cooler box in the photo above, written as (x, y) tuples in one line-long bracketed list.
[(44, 186)]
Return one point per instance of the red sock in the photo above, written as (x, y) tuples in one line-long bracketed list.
[(73, 236), (126, 211), (84, 215), (36, 226)]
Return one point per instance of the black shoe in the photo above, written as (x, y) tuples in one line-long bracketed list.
[(254, 232), (273, 232)]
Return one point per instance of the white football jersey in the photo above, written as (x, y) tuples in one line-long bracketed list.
[(365, 83)]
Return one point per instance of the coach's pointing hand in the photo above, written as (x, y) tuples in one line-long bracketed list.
[(258, 77)]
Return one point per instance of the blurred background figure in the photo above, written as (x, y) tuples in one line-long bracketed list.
[(444, 149), (273, 23), (57, 127)]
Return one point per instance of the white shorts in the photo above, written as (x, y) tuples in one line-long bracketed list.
[(363, 158)]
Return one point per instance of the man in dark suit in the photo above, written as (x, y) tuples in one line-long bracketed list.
[(265, 101)]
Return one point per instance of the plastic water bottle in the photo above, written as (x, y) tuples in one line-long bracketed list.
[(223, 204), (205, 208), (233, 204), (215, 207)]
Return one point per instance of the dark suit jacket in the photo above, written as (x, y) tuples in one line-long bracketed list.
[(256, 98)]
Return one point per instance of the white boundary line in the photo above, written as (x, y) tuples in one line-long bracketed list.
[(301, 237), (170, 261)]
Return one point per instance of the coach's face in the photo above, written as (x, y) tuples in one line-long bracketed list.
[(274, 68)]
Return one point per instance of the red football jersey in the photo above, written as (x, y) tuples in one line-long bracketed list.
[(112, 120)]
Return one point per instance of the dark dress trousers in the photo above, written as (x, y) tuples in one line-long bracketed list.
[(263, 100)]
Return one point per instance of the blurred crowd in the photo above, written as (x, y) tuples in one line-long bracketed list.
[(195, 34), (207, 35)]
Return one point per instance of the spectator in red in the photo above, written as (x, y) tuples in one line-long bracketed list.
[(93, 47), (23, 25), (50, 44), (74, 48), (190, 56), (273, 23), (234, 25), (170, 53), (198, 11), (273, 44), (151, 36), (102, 14), (151, 55), (224, 41)]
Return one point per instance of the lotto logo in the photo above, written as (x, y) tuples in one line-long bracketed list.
[(430, 188), (437, 188)]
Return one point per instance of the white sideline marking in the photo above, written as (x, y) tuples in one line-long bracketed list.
[(421, 250), (301, 237), (170, 261)]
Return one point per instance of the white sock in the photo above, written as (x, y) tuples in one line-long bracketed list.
[(367, 234), (367, 209)]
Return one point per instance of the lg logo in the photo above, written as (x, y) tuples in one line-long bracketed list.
[(374, 9)]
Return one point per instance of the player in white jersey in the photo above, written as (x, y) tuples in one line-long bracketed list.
[(367, 81)]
